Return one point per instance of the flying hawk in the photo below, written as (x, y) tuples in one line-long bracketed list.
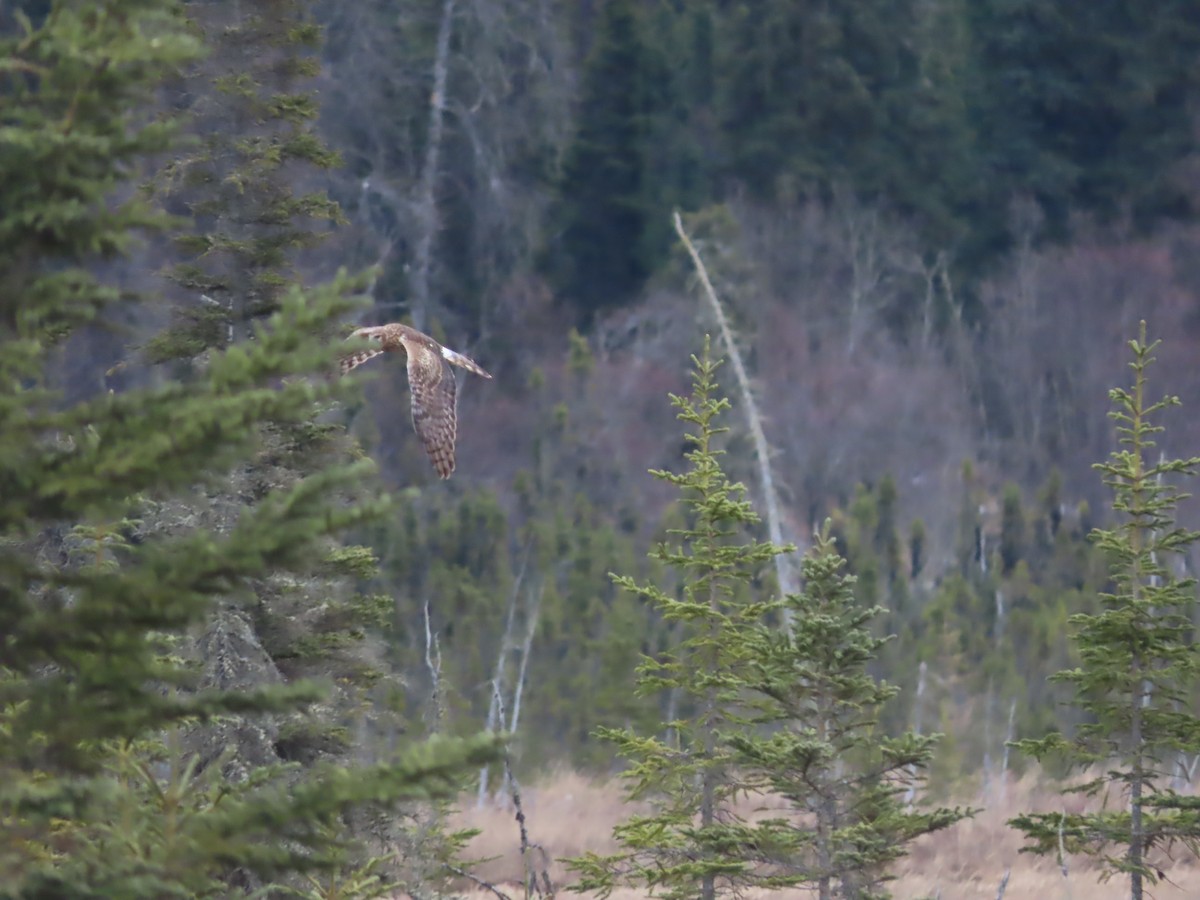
[(430, 380)]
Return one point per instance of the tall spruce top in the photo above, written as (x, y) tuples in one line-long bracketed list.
[(1138, 667)]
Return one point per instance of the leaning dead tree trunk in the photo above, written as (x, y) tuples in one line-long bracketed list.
[(783, 563), (426, 207)]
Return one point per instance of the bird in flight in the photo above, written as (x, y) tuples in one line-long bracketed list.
[(430, 381)]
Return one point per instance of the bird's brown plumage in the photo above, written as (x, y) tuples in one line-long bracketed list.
[(430, 381)]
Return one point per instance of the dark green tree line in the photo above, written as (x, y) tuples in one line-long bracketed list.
[(599, 253)]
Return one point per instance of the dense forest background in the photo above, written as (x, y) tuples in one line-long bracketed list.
[(933, 223)]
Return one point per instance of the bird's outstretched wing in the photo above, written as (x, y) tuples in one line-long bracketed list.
[(430, 380), (434, 417), (374, 333)]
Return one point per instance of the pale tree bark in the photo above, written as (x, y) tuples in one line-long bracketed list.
[(490, 724), (519, 687), (910, 795), (531, 614), (433, 664), (861, 229), (931, 277), (784, 571), (1009, 736), (989, 705), (428, 220), (495, 717), (1003, 884)]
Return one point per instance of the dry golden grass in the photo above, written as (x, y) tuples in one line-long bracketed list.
[(569, 814)]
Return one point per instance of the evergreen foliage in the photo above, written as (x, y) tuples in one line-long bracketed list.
[(689, 772), (951, 125), (242, 179), (1012, 528), (1085, 108), (791, 714), (98, 795), (943, 115), (822, 748), (1137, 663), (600, 257), (865, 95)]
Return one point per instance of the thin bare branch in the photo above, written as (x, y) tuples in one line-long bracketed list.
[(1003, 885), (485, 885), (533, 886)]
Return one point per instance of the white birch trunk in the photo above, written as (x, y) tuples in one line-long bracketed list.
[(519, 687)]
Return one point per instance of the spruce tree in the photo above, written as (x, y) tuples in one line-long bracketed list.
[(245, 179), (1137, 663), (97, 798), (250, 181), (242, 177), (688, 773), (737, 681), (823, 750)]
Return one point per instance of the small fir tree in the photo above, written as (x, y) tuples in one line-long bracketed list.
[(1138, 666), (821, 749), (737, 680), (1012, 529), (689, 773)]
